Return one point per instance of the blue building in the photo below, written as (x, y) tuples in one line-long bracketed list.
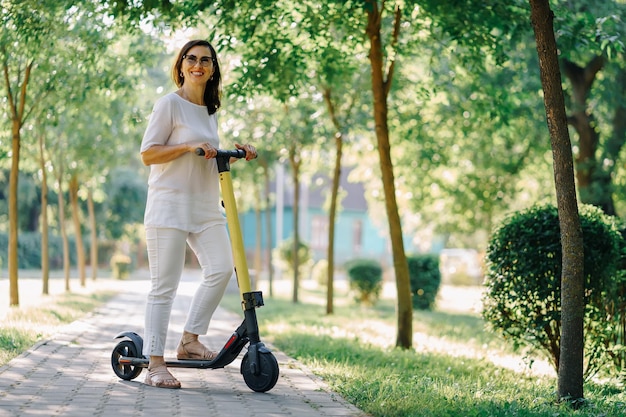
[(356, 236)]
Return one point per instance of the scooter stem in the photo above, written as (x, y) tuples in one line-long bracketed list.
[(239, 254)]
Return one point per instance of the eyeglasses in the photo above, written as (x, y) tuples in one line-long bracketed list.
[(192, 60)]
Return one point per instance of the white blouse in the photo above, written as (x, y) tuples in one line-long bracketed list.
[(183, 193)]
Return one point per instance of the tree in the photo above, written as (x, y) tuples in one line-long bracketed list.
[(78, 231), (45, 259), (332, 107), (298, 131), (29, 30), (592, 60), (570, 379), (59, 171), (338, 77), (381, 85)]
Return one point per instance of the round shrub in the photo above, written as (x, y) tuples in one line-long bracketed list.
[(425, 280), (366, 279), (283, 255), (523, 297), (319, 272), (121, 265)]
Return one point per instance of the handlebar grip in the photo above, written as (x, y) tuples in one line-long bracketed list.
[(225, 153)]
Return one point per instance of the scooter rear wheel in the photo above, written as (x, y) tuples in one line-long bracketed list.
[(126, 372), (267, 376)]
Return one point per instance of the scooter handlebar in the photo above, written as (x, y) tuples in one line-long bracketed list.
[(225, 153)]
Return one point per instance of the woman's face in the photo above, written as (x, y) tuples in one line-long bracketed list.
[(198, 65)]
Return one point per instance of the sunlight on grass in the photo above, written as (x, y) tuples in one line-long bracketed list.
[(455, 369), (14, 341), (23, 327)]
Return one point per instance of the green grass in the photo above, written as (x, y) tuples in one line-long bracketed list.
[(23, 327), (352, 350)]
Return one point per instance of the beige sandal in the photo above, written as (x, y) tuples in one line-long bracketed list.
[(160, 377), (200, 353)]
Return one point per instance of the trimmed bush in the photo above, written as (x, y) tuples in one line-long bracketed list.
[(319, 272), (425, 280), (366, 279), (523, 298), (121, 265), (283, 255)]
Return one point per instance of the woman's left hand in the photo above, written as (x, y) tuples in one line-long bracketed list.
[(250, 151)]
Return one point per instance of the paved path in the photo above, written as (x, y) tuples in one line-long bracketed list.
[(70, 374)]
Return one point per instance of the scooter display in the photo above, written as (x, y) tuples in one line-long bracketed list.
[(259, 366)]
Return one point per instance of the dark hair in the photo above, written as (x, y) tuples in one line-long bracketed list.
[(213, 90)]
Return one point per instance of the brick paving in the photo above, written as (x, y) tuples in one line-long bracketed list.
[(70, 374)]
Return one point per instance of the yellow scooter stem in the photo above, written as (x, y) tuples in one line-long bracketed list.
[(232, 217)]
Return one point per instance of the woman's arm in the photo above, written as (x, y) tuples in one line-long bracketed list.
[(160, 154)]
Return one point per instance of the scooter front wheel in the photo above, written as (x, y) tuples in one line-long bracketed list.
[(267, 375), (128, 349)]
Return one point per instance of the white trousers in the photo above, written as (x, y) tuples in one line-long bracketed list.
[(166, 257)]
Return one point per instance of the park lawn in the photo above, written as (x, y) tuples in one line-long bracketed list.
[(453, 371), (21, 328)]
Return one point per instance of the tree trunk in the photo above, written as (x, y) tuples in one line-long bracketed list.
[(295, 171), (615, 143), (268, 227), (594, 181), (258, 259), (93, 256), (332, 214), (14, 298), (17, 106), (80, 248), (62, 227), (570, 370), (45, 257), (380, 89)]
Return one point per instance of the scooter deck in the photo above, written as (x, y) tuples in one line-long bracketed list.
[(172, 363), (224, 357)]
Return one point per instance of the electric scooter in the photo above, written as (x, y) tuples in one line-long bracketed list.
[(259, 366)]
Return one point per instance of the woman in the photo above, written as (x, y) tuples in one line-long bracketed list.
[(183, 207)]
